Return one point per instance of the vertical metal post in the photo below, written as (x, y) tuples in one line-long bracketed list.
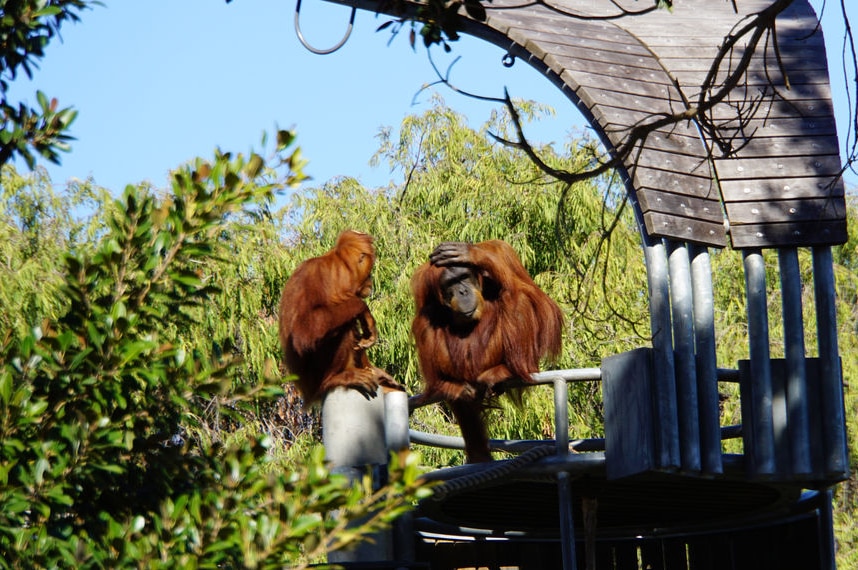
[(561, 416), (354, 437), (664, 381), (564, 481), (760, 443), (705, 360), (396, 420), (827, 554), (683, 351), (396, 435), (833, 415), (796, 369)]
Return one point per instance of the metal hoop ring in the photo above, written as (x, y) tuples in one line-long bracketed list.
[(317, 50)]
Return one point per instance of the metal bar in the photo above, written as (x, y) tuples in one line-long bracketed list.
[(564, 481), (827, 554), (664, 397), (833, 420), (569, 375), (760, 442), (397, 440), (561, 416), (706, 361), (683, 354), (796, 401)]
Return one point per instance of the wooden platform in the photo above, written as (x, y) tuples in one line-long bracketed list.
[(655, 503), (661, 521)]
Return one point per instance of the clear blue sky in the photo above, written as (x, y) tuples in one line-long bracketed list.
[(159, 82)]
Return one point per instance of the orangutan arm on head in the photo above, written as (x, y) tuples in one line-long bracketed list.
[(494, 258)]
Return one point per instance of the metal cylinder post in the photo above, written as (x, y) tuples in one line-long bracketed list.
[(684, 360), (664, 381), (796, 371), (705, 360), (396, 420), (833, 414), (354, 437), (760, 442), (564, 482)]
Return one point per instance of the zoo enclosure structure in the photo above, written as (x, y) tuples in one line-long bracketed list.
[(757, 170)]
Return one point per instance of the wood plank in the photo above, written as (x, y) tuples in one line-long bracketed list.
[(538, 18), (710, 22), (706, 48), (788, 235), (803, 63), (697, 166), (601, 56), (568, 68), (635, 65), (617, 122), (686, 142), (757, 80), (617, 100), (578, 78), (685, 229), (781, 188), (657, 201), (770, 211), (688, 32), (811, 100), (762, 145), (669, 181), (772, 111), (607, 36), (776, 167), (551, 41), (798, 126)]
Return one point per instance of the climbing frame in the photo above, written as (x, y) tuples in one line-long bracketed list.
[(758, 171)]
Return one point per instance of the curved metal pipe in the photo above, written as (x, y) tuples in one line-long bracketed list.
[(315, 50)]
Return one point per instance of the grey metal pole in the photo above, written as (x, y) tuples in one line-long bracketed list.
[(564, 481), (398, 441), (796, 369), (683, 350), (396, 420), (705, 360), (354, 437), (664, 381), (760, 452), (833, 415)]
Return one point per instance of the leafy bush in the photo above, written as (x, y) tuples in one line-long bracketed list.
[(101, 462)]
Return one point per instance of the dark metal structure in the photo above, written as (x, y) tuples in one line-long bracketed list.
[(757, 170)]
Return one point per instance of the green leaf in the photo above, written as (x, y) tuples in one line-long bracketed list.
[(5, 386), (49, 10)]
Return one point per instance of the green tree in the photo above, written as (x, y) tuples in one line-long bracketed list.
[(104, 461), (26, 28)]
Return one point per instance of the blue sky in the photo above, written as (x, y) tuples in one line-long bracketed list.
[(159, 82)]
